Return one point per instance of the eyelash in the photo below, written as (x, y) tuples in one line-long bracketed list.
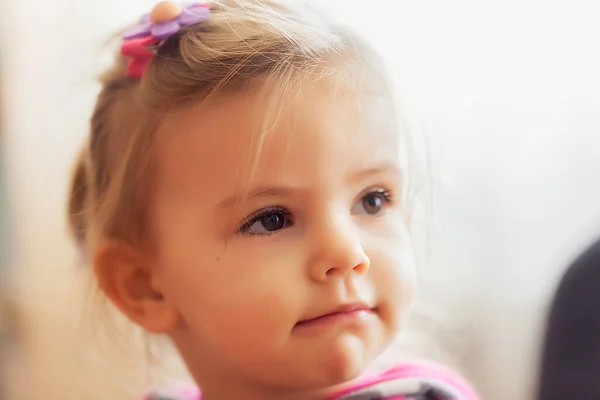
[(245, 227), (250, 220), (385, 194)]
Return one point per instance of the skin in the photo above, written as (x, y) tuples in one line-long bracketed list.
[(233, 286)]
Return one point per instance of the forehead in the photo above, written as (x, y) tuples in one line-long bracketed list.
[(317, 135)]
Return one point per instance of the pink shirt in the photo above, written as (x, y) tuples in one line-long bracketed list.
[(404, 382)]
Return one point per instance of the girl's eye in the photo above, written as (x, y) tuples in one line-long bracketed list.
[(373, 202), (266, 222)]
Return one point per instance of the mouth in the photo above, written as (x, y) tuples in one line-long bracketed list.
[(354, 312)]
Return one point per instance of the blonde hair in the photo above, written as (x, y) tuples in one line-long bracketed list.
[(245, 43)]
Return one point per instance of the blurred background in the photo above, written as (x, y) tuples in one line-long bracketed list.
[(506, 94)]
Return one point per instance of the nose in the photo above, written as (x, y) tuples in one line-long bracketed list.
[(338, 250)]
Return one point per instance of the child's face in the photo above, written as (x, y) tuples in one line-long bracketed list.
[(318, 232)]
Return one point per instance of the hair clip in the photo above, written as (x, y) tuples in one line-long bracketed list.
[(166, 19)]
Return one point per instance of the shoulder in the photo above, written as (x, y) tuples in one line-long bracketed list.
[(413, 381), (180, 393), (584, 271)]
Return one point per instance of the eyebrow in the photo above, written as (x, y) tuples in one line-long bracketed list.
[(385, 168), (255, 193), (280, 191)]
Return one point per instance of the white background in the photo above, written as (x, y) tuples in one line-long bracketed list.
[(508, 93)]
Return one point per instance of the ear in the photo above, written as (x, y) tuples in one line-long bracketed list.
[(125, 276)]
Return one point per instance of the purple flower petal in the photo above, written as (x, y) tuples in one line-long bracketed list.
[(192, 16), (166, 29), (138, 32)]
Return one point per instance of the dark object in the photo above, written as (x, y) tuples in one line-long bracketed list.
[(571, 355), (430, 393)]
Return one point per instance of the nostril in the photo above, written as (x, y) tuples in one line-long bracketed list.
[(362, 267), (330, 272)]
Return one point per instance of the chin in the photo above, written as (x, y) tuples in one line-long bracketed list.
[(346, 359)]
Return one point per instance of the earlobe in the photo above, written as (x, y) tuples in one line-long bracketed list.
[(125, 276)]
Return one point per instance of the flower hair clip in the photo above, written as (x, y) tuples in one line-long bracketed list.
[(166, 19)]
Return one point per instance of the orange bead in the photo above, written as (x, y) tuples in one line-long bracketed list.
[(165, 11)]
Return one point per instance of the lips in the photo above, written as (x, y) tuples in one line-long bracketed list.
[(342, 311)]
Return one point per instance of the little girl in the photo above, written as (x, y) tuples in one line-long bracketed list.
[(241, 192)]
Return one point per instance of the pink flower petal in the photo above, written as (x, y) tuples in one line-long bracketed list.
[(138, 46), (137, 66)]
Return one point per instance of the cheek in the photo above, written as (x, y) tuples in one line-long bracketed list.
[(221, 291), (395, 279), (394, 271)]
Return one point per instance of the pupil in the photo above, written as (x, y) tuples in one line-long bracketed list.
[(273, 222), (372, 204)]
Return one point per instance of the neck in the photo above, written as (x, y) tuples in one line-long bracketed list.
[(233, 386), (217, 381)]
